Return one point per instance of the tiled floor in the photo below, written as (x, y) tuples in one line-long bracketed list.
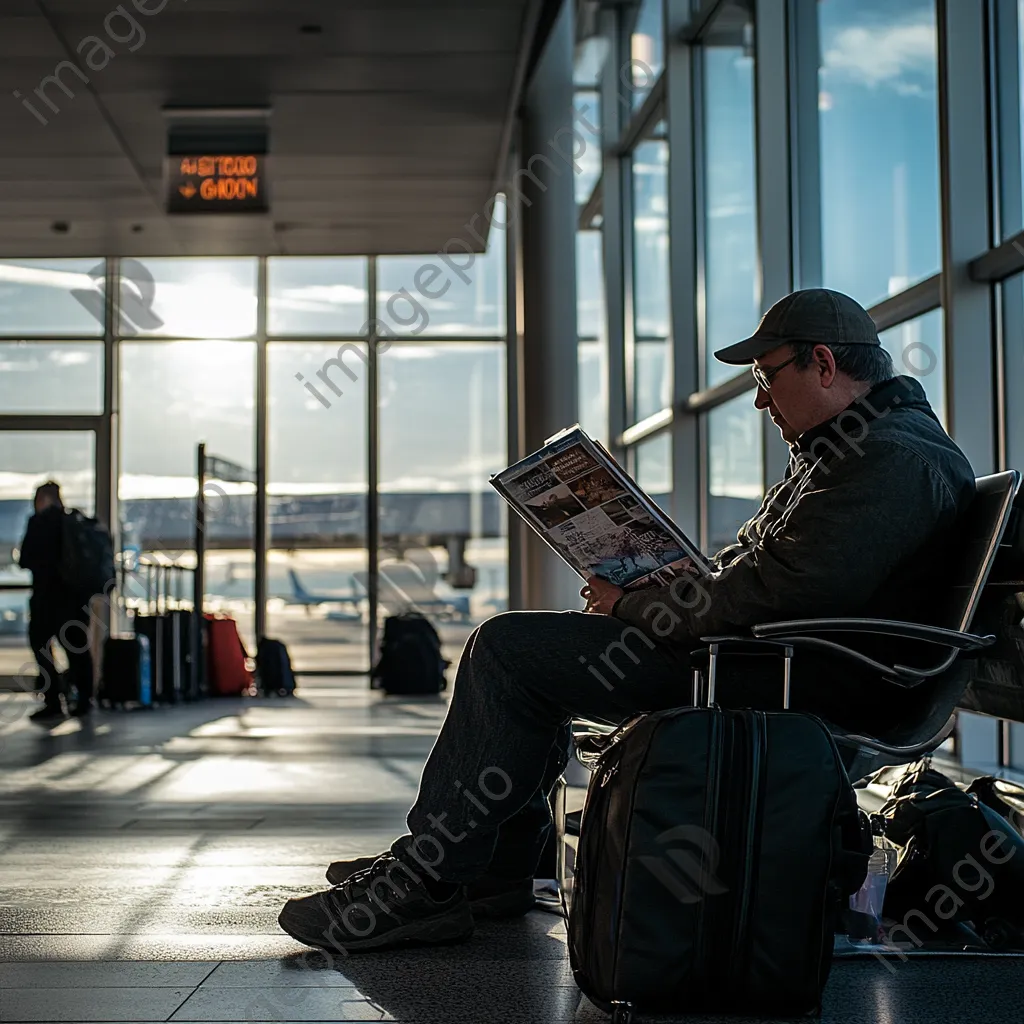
[(143, 861)]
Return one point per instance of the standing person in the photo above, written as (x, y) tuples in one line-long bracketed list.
[(55, 610)]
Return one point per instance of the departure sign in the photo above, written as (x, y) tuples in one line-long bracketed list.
[(217, 183)]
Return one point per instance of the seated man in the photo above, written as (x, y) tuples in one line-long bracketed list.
[(857, 527)]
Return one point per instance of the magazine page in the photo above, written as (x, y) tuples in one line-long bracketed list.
[(594, 515)]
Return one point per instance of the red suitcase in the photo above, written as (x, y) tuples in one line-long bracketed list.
[(227, 673)]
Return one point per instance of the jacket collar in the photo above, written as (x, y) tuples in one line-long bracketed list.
[(859, 414)]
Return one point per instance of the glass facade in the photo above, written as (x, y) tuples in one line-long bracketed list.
[(189, 336), (732, 273), (878, 125), (773, 167)]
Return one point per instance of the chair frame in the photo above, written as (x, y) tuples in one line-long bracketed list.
[(787, 636)]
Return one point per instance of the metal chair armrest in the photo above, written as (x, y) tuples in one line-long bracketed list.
[(901, 675), (909, 753), (877, 627)]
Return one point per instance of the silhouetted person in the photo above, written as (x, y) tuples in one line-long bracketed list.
[(56, 612)]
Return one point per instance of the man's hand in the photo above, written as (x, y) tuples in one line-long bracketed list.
[(600, 595)]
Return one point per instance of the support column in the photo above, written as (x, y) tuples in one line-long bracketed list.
[(966, 230), (544, 185), (682, 205)]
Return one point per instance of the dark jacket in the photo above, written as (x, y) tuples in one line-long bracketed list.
[(860, 525), (41, 553)]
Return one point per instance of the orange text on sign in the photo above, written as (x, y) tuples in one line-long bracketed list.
[(224, 166)]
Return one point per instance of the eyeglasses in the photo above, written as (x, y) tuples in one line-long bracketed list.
[(764, 377)]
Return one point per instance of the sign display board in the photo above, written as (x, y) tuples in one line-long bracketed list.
[(217, 183)]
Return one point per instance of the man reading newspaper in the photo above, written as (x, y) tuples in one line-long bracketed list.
[(859, 526)]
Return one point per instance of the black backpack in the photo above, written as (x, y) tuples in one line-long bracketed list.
[(87, 555), (410, 657), (274, 669), (955, 851), (717, 851)]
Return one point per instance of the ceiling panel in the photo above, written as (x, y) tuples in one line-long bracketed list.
[(386, 120)]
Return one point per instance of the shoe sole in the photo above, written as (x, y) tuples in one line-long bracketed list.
[(504, 905), (444, 930)]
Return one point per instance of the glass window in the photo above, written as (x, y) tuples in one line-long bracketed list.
[(310, 296), (63, 377), (735, 468), (917, 350), (593, 347), (731, 266), (52, 298), (878, 115), (587, 122), (461, 294), (206, 390), (316, 494), (647, 49), (590, 310), (654, 468), (188, 298), (652, 311), (443, 527), (27, 459)]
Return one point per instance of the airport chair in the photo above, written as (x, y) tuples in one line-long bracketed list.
[(940, 679)]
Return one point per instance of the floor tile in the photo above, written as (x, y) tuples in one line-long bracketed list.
[(276, 1004), (90, 1004), (104, 974)]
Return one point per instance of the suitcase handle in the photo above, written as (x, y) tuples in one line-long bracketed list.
[(719, 645)]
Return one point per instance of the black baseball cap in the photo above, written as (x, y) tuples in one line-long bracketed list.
[(818, 316)]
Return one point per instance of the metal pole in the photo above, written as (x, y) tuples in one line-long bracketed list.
[(372, 462), (262, 404), (198, 580)]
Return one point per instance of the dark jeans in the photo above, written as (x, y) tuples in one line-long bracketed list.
[(66, 623), (482, 806), (483, 800)]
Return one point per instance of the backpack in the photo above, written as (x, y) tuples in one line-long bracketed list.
[(87, 555), (955, 852), (274, 669), (717, 851), (410, 657)]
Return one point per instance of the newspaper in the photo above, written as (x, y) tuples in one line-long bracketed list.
[(581, 502)]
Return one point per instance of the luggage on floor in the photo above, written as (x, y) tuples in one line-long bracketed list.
[(274, 669), (717, 851), (127, 668), (154, 628), (410, 659), (226, 670), (955, 853)]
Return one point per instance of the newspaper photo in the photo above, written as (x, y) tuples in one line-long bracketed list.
[(581, 503)]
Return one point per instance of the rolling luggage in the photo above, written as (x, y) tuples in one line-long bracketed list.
[(274, 669), (410, 659), (154, 628), (127, 666), (226, 671), (717, 850)]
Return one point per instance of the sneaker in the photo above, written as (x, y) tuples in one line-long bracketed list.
[(489, 899), (47, 716), (385, 905)]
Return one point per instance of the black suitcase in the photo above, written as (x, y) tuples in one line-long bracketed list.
[(410, 659), (127, 671), (274, 669), (716, 853)]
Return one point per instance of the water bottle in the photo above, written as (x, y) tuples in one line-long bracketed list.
[(868, 900)]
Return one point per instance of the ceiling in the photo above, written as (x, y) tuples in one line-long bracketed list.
[(389, 120)]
